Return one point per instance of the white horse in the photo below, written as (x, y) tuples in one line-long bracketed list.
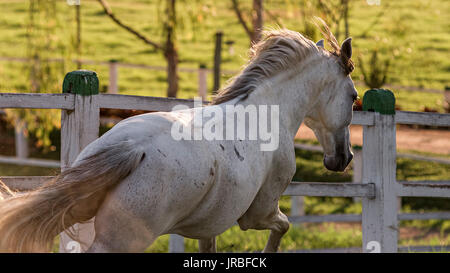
[(139, 182)]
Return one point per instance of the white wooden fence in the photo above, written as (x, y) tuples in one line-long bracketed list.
[(113, 88), (297, 202), (378, 190)]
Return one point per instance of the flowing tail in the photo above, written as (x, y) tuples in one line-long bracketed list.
[(29, 222)]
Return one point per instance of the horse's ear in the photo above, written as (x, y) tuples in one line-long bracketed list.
[(346, 47), (320, 44)]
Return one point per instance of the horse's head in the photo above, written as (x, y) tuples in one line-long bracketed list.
[(330, 117)]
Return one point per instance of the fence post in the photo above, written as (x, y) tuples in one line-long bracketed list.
[(217, 60), (21, 140), (447, 99), (202, 83), (79, 127), (113, 76), (357, 168), (176, 243), (379, 214), (297, 205)]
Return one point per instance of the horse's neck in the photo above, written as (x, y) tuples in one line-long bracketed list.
[(293, 93)]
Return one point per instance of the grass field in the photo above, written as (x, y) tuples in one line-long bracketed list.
[(414, 34)]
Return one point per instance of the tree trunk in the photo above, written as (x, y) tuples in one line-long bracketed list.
[(172, 71), (78, 38), (170, 51), (347, 31), (217, 60), (257, 20), (337, 32)]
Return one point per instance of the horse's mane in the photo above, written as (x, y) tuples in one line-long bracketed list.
[(346, 62), (279, 50)]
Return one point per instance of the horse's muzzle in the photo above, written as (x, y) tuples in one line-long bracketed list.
[(337, 163)]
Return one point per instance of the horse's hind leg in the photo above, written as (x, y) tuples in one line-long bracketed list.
[(118, 230), (207, 245), (276, 221), (113, 238), (105, 244), (278, 226)]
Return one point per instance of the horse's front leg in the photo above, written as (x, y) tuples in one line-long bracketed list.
[(278, 226), (207, 245)]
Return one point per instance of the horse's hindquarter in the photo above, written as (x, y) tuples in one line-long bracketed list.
[(194, 188), (233, 186)]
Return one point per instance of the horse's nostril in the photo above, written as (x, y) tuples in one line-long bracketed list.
[(331, 163), (350, 158)]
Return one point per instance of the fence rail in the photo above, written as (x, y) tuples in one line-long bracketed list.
[(357, 217), (378, 190), (422, 118), (37, 162), (317, 148), (148, 103), (401, 249), (37, 101)]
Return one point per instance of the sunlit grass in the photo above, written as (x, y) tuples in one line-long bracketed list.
[(414, 34)]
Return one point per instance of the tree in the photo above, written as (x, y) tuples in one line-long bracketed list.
[(345, 11), (257, 14), (78, 34), (376, 75), (335, 12), (43, 24), (168, 49)]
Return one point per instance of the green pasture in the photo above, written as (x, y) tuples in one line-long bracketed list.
[(413, 34)]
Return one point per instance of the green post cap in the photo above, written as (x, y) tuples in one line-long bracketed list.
[(81, 82), (379, 100)]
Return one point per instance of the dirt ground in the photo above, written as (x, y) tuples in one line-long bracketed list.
[(405, 233), (423, 140)]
